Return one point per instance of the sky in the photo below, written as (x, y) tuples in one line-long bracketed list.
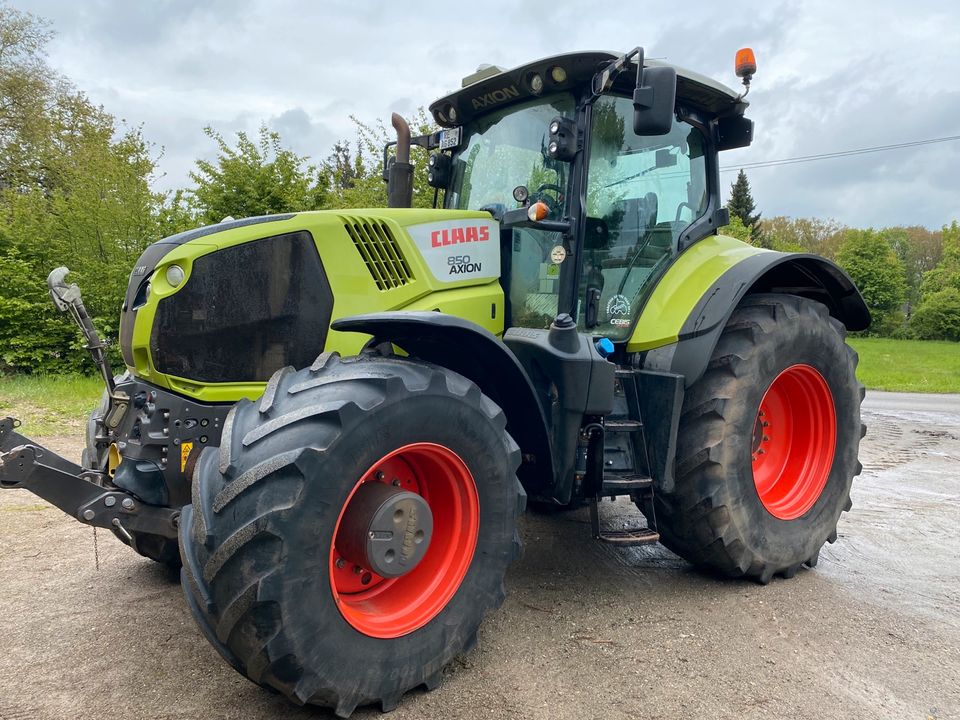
[(832, 76)]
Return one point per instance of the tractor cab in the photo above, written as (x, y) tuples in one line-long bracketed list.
[(600, 175)]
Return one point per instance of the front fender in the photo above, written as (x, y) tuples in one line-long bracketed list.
[(478, 354)]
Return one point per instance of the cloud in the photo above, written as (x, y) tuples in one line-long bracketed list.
[(833, 76), (302, 133)]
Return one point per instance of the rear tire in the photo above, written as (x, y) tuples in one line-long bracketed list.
[(753, 499), (259, 548)]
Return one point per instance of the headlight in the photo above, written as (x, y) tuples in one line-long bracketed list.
[(175, 275)]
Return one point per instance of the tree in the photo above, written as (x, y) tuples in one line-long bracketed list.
[(937, 317), (354, 179), (742, 206), (74, 190), (253, 178), (946, 274), (919, 250), (878, 272), (26, 86), (264, 177), (736, 229), (811, 235)]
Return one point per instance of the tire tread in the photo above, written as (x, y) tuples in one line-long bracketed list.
[(690, 520), (231, 541)]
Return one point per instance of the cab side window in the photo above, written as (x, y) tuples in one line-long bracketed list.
[(642, 192)]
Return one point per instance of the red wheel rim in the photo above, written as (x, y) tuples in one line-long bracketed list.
[(390, 607), (794, 439)]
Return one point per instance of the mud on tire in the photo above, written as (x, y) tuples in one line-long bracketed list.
[(256, 542), (714, 516)]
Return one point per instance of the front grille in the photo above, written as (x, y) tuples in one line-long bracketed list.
[(380, 252), (245, 312)]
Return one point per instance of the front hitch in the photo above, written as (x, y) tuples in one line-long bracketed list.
[(80, 493)]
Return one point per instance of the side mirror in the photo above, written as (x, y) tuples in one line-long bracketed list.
[(653, 101)]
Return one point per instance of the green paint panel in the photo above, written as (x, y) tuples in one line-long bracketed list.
[(685, 282), (352, 281)]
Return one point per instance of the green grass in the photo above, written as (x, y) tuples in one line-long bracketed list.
[(50, 405), (58, 405), (908, 365)]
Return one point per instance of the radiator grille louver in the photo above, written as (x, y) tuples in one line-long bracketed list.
[(380, 252)]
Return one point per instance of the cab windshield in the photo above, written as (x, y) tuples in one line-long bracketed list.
[(507, 149), (504, 150)]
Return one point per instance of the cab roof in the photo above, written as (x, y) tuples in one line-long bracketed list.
[(492, 88)]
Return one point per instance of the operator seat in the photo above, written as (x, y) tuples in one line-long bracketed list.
[(640, 222), (639, 215)]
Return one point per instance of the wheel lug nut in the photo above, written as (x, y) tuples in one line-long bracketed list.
[(340, 563), (380, 475), (357, 569), (396, 482), (766, 438)]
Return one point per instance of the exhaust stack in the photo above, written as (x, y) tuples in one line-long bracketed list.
[(400, 176)]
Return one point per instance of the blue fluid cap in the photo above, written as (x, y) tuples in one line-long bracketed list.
[(604, 347)]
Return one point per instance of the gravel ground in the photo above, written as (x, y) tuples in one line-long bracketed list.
[(90, 630)]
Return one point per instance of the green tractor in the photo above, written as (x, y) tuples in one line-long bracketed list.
[(333, 420)]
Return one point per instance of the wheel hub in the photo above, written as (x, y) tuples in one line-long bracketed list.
[(794, 440), (385, 529), (387, 598)]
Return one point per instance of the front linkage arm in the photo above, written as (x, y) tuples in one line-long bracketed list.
[(67, 299), (78, 492)]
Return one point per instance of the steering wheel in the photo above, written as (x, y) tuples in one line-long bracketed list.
[(554, 203)]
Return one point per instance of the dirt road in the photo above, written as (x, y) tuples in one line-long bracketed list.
[(587, 631)]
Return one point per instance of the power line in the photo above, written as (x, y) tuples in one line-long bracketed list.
[(841, 153)]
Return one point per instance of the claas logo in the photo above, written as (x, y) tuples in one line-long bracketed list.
[(458, 235)]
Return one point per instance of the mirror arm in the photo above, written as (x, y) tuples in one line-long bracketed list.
[(518, 219), (604, 79)]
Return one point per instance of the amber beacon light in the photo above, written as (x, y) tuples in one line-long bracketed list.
[(746, 64)]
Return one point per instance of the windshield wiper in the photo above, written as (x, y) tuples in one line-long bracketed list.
[(631, 177)]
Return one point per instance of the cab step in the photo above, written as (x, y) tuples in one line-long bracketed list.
[(623, 425), (630, 537), (624, 484)]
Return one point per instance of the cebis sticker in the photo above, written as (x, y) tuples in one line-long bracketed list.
[(457, 250)]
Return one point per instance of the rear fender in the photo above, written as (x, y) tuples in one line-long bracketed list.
[(477, 354), (802, 274)]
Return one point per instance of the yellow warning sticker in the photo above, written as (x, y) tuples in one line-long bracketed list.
[(185, 449)]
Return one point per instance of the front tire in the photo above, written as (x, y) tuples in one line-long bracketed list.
[(267, 572), (767, 444)]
